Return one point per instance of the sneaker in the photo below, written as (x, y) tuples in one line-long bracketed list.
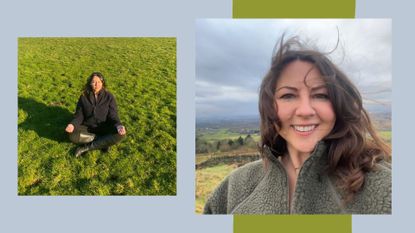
[(81, 150)]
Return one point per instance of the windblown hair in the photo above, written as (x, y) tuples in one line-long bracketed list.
[(87, 87), (353, 145)]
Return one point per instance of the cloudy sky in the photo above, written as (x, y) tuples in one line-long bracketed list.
[(232, 56)]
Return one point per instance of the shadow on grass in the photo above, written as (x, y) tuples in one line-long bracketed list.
[(47, 121)]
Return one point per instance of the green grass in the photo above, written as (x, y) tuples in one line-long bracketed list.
[(202, 158), (206, 181), (221, 134), (140, 72), (218, 134)]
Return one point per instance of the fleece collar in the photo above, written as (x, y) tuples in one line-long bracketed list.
[(271, 194)]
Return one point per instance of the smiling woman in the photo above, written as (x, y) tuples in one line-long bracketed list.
[(321, 154)]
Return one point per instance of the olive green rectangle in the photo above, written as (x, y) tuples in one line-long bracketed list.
[(293, 9), (292, 223)]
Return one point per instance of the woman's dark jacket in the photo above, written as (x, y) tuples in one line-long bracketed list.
[(96, 113)]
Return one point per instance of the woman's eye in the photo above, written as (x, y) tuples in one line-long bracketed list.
[(287, 96), (321, 96)]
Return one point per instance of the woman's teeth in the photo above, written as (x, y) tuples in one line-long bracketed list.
[(304, 128)]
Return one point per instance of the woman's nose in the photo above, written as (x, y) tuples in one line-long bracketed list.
[(305, 108)]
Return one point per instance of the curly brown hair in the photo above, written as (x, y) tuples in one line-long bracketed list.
[(353, 144)]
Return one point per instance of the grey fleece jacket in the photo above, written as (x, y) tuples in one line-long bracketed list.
[(252, 189)]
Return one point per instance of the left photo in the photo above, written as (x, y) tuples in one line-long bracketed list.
[(97, 116)]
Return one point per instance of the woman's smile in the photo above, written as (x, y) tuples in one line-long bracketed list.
[(304, 130)]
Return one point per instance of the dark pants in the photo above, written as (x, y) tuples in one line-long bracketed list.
[(100, 137)]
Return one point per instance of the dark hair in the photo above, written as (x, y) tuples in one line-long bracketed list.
[(87, 87), (353, 144)]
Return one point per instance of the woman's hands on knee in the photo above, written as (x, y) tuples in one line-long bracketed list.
[(69, 128), (121, 130)]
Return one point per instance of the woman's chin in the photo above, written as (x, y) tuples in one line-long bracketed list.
[(303, 148)]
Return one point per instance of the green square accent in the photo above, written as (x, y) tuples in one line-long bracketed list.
[(293, 9), (292, 223)]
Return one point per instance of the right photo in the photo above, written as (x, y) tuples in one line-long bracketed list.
[(293, 116)]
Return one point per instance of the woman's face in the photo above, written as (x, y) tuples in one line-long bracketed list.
[(96, 84), (303, 107)]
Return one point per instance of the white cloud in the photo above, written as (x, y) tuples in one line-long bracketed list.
[(232, 56), (208, 92)]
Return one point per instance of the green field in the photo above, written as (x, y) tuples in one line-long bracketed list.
[(206, 181), (218, 134), (140, 72), (221, 134)]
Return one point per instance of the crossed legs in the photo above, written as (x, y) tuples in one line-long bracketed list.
[(92, 141)]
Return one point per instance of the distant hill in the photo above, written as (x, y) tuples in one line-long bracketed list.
[(381, 118), (228, 122)]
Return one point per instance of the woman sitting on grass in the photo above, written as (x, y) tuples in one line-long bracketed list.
[(321, 154), (96, 124)]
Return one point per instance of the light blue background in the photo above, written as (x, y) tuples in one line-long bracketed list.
[(173, 19), (104, 18), (403, 112)]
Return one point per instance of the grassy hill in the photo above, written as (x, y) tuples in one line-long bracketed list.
[(207, 179), (140, 72)]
